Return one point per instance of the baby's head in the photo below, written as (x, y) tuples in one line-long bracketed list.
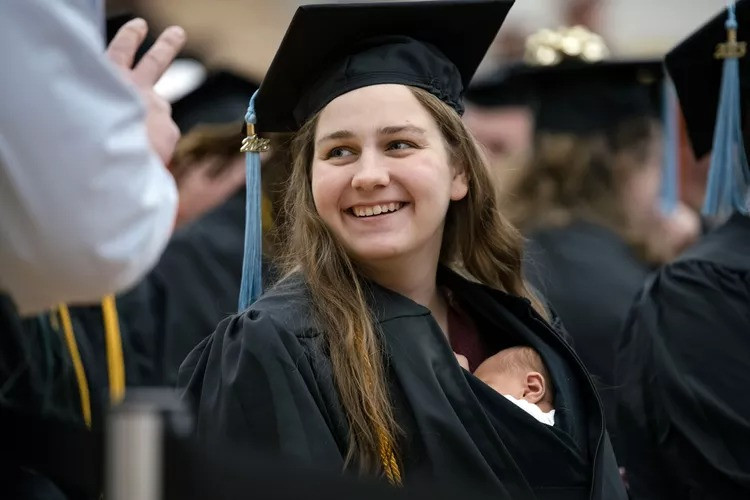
[(519, 372)]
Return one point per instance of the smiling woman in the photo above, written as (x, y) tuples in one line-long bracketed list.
[(396, 257), (381, 162)]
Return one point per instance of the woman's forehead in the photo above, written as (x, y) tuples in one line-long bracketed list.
[(375, 109)]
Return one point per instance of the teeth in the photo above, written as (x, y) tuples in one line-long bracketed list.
[(376, 209)]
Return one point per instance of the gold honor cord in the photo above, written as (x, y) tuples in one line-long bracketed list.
[(75, 356), (388, 459), (115, 358)]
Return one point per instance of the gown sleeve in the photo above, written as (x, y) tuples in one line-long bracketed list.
[(254, 383), (676, 368)]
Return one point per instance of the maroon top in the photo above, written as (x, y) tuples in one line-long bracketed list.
[(464, 336)]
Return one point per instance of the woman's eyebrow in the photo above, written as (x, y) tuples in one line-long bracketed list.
[(401, 128), (333, 136), (391, 130)]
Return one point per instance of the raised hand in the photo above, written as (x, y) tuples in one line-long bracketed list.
[(162, 130)]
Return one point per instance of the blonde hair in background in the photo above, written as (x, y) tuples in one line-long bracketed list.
[(573, 176), (477, 242)]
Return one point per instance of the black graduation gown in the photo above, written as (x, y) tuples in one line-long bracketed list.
[(88, 327), (263, 380), (36, 378), (194, 286), (684, 367), (37, 373), (590, 276)]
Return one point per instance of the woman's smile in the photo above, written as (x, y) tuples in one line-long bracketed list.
[(385, 189), (374, 210)]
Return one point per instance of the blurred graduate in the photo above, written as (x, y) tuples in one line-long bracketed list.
[(500, 115), (683, 364), (196, 282)]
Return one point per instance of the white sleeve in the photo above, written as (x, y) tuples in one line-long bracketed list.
[(86, 207)]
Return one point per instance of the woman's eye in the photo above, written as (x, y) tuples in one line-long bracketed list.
[(339, 153), (399, 145)]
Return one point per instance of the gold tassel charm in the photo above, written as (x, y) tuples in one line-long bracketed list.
[(731, 49), (252, 143)]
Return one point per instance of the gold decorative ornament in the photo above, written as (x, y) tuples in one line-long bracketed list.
[(252, 143), (549, 47)]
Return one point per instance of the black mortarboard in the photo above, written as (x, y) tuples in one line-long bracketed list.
[(329, 50), (221, 98), (710, 75), (583, 98), (506, 86), (697, 76)]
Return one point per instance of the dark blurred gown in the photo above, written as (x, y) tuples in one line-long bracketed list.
[(684, 367), (38, 385), (589, 276), (194, 286)]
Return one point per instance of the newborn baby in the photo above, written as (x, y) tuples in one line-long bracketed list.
[(519, 374)]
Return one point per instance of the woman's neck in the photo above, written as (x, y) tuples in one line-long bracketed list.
[(416, 281)]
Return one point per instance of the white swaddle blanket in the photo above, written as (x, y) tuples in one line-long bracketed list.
[(547, 418)]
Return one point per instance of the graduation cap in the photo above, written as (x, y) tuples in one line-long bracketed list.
[(575, 88), (505, 87), (579, 91), (584, 98), (711, 73), (591, 98), (221, 98), (332, 49)]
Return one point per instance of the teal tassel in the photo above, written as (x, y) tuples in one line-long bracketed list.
[(728, 178), (669, 195), (251, 286)]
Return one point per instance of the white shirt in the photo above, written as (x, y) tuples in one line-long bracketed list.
[(86, 207), (547, 418)]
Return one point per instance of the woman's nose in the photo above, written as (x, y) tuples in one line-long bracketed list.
[(371, 172)]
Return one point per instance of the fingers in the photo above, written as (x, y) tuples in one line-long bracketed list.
[(158, 58), (129, 37), (462, 361)]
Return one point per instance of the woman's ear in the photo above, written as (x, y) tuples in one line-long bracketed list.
[(460, 183), (535, 387)]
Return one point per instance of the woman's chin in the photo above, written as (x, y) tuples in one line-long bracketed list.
[(375, 252)]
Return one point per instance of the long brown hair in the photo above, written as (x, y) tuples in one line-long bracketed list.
[(574, 176), (484, 246)]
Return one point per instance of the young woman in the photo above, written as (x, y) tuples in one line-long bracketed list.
[(682, 357), (397, 259)]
